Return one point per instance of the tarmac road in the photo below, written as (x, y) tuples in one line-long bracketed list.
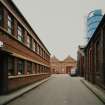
[(59, 90)]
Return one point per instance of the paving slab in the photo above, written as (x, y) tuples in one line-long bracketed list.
[(99, 92)]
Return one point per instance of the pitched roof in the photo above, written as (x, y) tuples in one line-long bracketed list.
[(54, 59), (69, 59)]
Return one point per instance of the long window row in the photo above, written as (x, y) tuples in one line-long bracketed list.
[(1, 15), (22, 35), (18, 66)]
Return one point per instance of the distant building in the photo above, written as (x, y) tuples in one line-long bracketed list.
[(80, 60), (62, 67), (93, 20)]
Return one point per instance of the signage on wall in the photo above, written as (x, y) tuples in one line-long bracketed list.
[(1, 44)]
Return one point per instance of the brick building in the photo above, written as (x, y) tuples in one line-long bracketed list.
[(24, 58), (62, 67), (80, 60), (95, 56)]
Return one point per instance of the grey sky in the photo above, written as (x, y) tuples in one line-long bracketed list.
[(60, 24)]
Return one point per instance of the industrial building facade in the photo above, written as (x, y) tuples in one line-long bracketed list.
[(62, 67), (24, 59), (94, 58)]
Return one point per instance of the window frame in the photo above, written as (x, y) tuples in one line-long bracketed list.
[(1, 14), (10, 66), (29, 67), (34, 46), (29, 41), (20, 35), (10, 23), (20, 64), (38, 49)]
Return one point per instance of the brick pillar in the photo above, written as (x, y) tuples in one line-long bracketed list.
[(93, 66), (85, 66), (103, 47), (5, 20), (15, 28), (103, 33), (94, 62), (88, 64), (90, 54)]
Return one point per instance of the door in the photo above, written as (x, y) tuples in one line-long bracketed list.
[(68, 68), (1, 72)]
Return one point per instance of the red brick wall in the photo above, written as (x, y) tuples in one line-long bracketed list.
[(17, 47), (15, 83)]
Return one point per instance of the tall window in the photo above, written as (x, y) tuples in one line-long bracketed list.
[(29, 67), (20, 34), (20, 67), (10, 66), (1, 15), (44, 55), (29, 41), (34, 46), (41, 51), (35, 68), (98, 57), (38, 48), (10, 24), (38, 68)]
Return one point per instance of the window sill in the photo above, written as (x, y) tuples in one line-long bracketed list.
[(22, 76)]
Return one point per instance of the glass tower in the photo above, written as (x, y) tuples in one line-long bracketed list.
[(93, 20)]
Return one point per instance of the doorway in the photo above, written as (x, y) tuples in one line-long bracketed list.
[(68, 69), (1, 72)]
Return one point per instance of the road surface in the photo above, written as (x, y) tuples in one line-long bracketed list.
[(59, 90)]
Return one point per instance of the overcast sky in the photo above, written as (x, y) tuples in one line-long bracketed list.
[(60, 24)]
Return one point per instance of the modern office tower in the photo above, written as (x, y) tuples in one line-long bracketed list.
[(93, 20)]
